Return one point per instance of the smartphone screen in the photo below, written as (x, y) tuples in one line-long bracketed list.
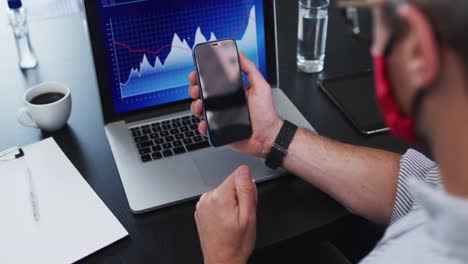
[(222, 92)]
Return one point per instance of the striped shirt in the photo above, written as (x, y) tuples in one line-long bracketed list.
[(427, 225)]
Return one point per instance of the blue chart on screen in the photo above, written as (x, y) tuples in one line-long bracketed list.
[(149, 44)]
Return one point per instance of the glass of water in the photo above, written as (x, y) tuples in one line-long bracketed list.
[(312, 35)]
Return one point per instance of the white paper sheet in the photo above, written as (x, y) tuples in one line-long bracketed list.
[(73, 220)]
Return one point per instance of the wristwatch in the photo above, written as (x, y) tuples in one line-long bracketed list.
[(279, 149)]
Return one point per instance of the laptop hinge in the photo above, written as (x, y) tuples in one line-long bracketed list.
[(157, 112)]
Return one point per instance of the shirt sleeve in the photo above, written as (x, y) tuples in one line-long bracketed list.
[(413, 165)]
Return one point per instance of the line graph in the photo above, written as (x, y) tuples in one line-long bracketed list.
[(170, 46), (156, 75)]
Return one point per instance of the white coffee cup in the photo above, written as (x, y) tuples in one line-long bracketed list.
[(50, 116)]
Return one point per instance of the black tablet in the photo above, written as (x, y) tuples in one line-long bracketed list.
[(355, 97)]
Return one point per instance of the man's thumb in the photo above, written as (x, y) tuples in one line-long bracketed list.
[(246, 194)]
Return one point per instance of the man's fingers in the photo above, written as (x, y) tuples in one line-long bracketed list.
[(227, 190), (193, 88), (202, 127), (193, 91), (193, 78), (246, 194), (197, 108), (250, 69)]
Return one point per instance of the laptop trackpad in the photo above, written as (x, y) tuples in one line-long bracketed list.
[(216, 166)]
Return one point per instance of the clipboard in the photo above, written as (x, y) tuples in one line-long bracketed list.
[(17, 153), (13, 150), (72, 222)]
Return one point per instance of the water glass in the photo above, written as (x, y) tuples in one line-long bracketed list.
[(312, 35)]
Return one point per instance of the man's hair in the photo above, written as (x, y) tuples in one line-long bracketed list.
[(449, 19)]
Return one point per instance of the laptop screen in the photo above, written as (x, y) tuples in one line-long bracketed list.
[(148, 44)]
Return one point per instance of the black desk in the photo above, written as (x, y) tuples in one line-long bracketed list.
[(288, 207)]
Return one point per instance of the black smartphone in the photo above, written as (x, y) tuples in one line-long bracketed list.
[(222, 92), (354, 96)]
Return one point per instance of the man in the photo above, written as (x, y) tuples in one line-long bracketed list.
[(420, 52)]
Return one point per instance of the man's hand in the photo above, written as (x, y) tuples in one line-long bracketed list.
[(265, 121), (226, 219)]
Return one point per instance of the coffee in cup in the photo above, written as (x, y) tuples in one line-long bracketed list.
[(47, 98), (48, 105)]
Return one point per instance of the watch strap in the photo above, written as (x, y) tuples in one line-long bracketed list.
[(279, 149)]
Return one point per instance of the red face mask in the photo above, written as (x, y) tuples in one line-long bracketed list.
[(401, 126)]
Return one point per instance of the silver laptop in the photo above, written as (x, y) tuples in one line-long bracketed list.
[(143, 54)]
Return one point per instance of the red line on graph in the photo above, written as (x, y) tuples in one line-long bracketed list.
[(244, 20), (169, 46), (150, 51)]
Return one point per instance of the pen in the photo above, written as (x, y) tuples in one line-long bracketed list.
[(33, 195)]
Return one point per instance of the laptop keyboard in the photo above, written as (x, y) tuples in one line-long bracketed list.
[(168, 138)]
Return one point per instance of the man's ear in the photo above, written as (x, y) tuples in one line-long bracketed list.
[(420, 49)]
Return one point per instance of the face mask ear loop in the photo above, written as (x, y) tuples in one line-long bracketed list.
[(417, 101), (391, 44)]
